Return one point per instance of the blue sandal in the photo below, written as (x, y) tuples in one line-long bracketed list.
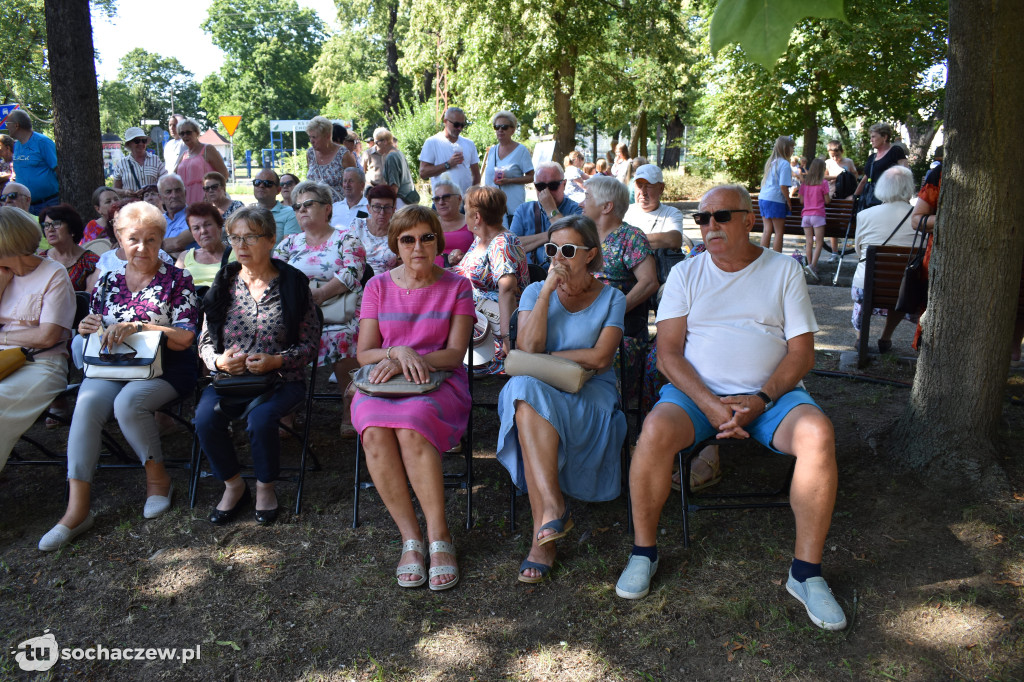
[(561, 527), (543, 568)]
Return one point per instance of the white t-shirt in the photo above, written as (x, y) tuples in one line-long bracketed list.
[(437, 149), (665, 218), (516, 165), (172, 152), (874, 225), (737, 323), (342, 216)]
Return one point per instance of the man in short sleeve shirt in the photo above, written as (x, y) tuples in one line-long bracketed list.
[(663, 224), (735, 338), (449, 152), (35, 161)]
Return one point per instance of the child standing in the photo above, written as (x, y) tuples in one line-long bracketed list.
[(814, 192), (774, 197)]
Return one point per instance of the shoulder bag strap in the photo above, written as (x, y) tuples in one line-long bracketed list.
[(131, 167), (894, 232)]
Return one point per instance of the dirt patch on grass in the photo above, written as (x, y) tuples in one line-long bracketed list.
[(932, 587)]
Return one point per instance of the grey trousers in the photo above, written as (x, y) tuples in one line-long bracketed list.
[(132, 403)]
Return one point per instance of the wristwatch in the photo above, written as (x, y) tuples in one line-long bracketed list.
[(554, 213), (138, 327), (768, 402), (447, 165)]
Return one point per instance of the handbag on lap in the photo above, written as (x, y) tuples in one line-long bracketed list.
[(397, 386), (561, 373), (140, 357)]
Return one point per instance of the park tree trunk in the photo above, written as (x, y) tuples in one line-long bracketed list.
[(921, 133), (810, 131), (394, 90), (839, 124), (949, 430), (565, 122), (638, 139), (674, 128), (76, 110)]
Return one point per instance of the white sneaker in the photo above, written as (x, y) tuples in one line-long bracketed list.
[(834, 258)]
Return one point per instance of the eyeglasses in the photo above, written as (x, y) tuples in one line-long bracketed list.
[(10, 196), (541, 186), (502, 126), (140, 140), (381, 208), (567, 250), (704, 217), (307, 203), (249, 239), (107, 356), (410, 240), (51, 224), (458, 125), (286, 185), (263, 183), (210, 188), (444, 197)]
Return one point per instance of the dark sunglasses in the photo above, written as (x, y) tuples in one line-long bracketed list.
[(263, 183), (502, 126), (287, 185), (309, 202), (140, 140), (443, 197), (567, 250), (107, 356), (210, 188), (11, 196), (541, 186), (704, 217), (410, 240), (458, 125)]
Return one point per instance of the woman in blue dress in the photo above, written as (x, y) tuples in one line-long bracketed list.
[(555, 443)]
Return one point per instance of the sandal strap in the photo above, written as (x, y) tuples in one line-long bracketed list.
[(439, 546), (444, 570), (412, 546), (414, 569)]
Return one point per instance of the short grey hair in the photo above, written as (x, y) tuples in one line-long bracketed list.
[(453, 110), (550, 165), (164, 179), (20, 118), (506, 114), (383, 133), (744, 195), (318, 189), (357, 171), (189, 123), (603, 189), (896, 184), (320, 125), (445, 180), (588, 233), (259, 220)]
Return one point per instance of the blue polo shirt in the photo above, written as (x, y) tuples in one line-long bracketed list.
[(287, 223), (523, 223), (35, 164)]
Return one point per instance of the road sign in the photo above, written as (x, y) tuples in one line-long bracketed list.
[(230, 123), (5, 110)]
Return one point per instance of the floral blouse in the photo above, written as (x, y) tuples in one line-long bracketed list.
[(329, 173), (92, 231), (624, 249), (342, 255), (258, 327), (379, 255), (168, 300), (484, 267), (80, 271)]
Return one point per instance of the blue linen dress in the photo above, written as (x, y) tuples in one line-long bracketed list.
[(590, 425)]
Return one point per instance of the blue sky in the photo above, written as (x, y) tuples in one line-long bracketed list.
[(170, 29)]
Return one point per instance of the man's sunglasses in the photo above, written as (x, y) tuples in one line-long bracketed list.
[(264, 183), (410, 240), (704, 217), (502, 126), (443, 197), (11, 196), (459, 125), (567, 250), (541, 186)]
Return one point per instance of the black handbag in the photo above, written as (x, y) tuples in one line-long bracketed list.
[(239, 394), (913, 294)]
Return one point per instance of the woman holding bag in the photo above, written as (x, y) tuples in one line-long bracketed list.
[(334, 261), (260, 320), (37, 309), (145, 294), (555, 443)]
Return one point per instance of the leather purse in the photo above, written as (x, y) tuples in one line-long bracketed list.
[(913, 294), (561, 373), (239, 394), (140, 357), (337, 309), (397, 386), (11, 360)]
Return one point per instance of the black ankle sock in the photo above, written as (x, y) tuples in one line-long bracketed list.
[(802, 570), (649, 552)]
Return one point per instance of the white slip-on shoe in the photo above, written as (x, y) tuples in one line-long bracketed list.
[(157, 505), (635, 581), (61, 535), (817, 598)]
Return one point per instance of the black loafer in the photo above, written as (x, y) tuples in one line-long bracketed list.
[(221, 516), (265, 517)]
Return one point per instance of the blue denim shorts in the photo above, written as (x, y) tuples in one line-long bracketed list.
[(761, 429), (772, 209)]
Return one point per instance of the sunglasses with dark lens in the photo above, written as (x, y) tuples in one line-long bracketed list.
[(502, 126), (704, 217), (443, 197), (210, 188), (309, 202), (10, 196), (410, 240), (287, 185), (107, 356), (541, 186), (458, 124), (263, 183), (567, 250)]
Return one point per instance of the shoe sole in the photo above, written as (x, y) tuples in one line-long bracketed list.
[(631, 595), (814, 619)]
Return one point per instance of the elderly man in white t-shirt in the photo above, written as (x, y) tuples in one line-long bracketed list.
[(353, 203), (449, 152), (735, 339), (662, 224)]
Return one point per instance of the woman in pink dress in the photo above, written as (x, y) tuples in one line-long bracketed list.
[(199, 159), (447, 200), (414, 319)]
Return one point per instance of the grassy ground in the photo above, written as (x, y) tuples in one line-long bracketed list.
[(932, 587)]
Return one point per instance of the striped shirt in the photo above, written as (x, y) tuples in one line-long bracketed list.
[(134, 176)]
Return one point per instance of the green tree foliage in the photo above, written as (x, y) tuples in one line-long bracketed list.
[(24, 73), (145, 85), (270, 47)]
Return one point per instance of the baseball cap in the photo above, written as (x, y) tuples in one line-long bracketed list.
[(650, 173), (133, 133)]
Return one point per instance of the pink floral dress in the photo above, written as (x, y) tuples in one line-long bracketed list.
[(342, 256)]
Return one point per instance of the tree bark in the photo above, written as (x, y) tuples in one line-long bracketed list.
[(949, 430), (810, 132), (674, 128), (921, 132), (76, 111), (638, 139), (394, 92), (565, 122)]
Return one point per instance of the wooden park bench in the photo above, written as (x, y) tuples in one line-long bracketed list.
[(883, 273), (837, 222)]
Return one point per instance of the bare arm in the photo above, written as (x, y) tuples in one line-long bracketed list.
[(508, 292), (600, 356), (646, 283), (45, 335), (533, 241), (923, 208), (175, 245), (331, 288), (431, 170), (475, 170), (671, 343), (217, 162), (666, 240)]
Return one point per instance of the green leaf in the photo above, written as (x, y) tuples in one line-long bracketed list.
[(230, 644), (763, 27)]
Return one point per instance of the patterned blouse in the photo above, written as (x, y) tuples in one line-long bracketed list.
[(168, 300), (341, 256), (624, 249), (484, 267), (92, 231), (378, 255), (330, 173), (258, 327), (80, 271)]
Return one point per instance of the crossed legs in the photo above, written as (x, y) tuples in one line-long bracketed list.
[(538, 441)]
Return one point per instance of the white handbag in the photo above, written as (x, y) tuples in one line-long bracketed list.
[(337, 309), (139, 357)]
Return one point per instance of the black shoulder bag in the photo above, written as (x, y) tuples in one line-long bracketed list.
[(914, 288)]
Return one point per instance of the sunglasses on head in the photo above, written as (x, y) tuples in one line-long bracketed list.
[(458, 124), (410, 240), (443, 197), (263, 183), (567, 250), (541, 186), (704, 217), (502, 126)]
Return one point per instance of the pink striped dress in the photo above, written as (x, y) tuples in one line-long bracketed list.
[(420, 318)]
